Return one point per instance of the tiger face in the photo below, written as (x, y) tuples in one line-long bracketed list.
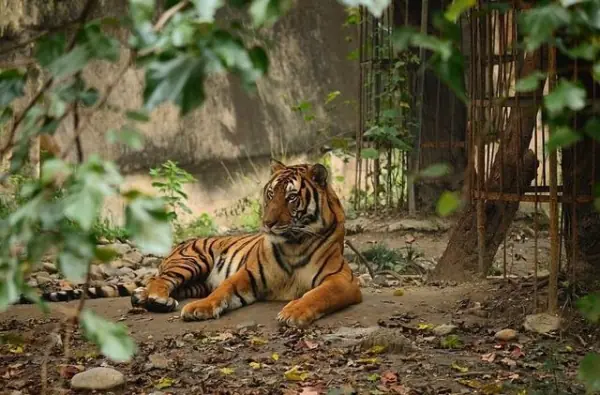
[(295, 202)]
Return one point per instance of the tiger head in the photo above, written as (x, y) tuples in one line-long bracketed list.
[(299, 203)]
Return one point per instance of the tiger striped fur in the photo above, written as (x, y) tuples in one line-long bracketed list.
[(297, 257)]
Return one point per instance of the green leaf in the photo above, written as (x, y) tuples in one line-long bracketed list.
[(266, 12), (596, 71), (9, 292), (539, 24), (50, 48), (592, 128), (448, 203), (562, 137), (565, 94), (146, 219), (206, 9), (53, 169), (99, 45), (531, 82), (331, 96), (89, 97), (70, 63), (590, 307), (457, 8), (436, 170), (126, 135), (179, 80), (105, 254), (73, 266), (369, 153), (12, 85), (142, 10), (589, 372), (113, 340), (375, 7), (141, 116)]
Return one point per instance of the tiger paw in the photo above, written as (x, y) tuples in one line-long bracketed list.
[(295, 313), (139, 297), (204, 309)]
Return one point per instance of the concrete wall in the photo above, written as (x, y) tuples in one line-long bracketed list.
[(226, 143)]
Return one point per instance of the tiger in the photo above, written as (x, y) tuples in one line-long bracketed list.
[(296, 256)]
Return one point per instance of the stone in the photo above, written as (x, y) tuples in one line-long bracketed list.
[(43, 280), (49, 267), (444, 329), (134, 256), (146, 272), (542, 323), (124, 271), (108, 270), (349, 336), (98, 379), (419, 225), (96, 273), (365, 280), (506, 335), (381, 280), (32, 282), (390, 340), (247, 325), (159, 361), (151, 261), (120, 248)]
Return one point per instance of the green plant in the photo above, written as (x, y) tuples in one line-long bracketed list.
[(395, 259), (103, 228), (169, 179), (251, 219), (201, 226)]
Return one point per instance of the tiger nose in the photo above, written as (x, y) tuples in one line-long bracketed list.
[(269, 223)]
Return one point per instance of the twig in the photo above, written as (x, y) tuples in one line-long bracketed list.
[(44, 368), (168, 14), (361, 257)]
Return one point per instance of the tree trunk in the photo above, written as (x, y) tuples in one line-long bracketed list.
[(460, 260)]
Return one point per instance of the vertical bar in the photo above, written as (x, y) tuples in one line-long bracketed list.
[(554, 240), (480, 163)]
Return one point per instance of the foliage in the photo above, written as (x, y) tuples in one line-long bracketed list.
[(169, 179), (251, 219), (201, 226), (177, 50), (395, 259)]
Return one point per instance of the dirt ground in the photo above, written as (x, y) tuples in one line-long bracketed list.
[(392, 343)]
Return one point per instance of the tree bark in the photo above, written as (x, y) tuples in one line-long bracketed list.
[(514, 168)]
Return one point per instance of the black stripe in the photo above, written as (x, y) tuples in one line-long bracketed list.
[(242, 300), (253, 283), (171, 274), (123, 291), (279, 259), (261, 270), (332, 273), (323, 266)]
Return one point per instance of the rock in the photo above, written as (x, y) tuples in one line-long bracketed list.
[(157, 393), (365, 280), (349, 336), (146, 272), (189, 337), (96, 273), (43, 280), (103, 240), (134, 256), (151, 261), (98, 379), (247, 325), (159, 361), (419, 225), (108, 270), (542, 323), (32, 282), (390, 340), (444, 329), (506, 335), (120, 248), (49, 267), (124, 271), (381, 280), (354, 267)]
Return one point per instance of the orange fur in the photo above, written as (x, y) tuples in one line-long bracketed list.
[(297, 256)]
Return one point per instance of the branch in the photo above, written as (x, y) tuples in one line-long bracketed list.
[(87, 9), (361, 257)]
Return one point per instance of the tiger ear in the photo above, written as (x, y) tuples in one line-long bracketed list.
[(319, 174), (276, 166)]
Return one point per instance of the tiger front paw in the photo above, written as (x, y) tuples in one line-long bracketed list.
[(155, 303), (204, 309), (297, 314)]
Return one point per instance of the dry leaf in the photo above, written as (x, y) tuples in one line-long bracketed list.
[(227, 371), (423, 327), (16, 350), (164, 382), (376, 349), (255, 365), (309, 344), (373, 377), (294, 374), (275, 356), (517, 353), (399, 389), (470, 383), (309, 391), (257, 341), (399, 292), (367, 360), (489, 357), (68, 371), (389, 377), (509, 362), (458, 368)]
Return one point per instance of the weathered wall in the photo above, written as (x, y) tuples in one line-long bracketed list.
[(308, 60)]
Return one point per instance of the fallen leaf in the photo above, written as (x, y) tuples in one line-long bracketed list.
[(568, 348), (164, 382), (311, 345), (255, 365), (517, 353), (400, 389), (367, 360), (409, 239), (376, 349), (275, 356), (491, 389), (399, 292), (68, 371), (227, 371), (295, 374), (257, 341), (509, 362), (489, 357), (470, 383), (16, 350), (423, 327), (458, 368), (389, 377), (373, 377), (309, 391)]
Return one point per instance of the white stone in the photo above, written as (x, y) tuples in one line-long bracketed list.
[(98, 379)]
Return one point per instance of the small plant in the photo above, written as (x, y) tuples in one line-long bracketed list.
[(202, 226), (451, 342), (251, 218), (395, 259), (103, 228), (169, 179)]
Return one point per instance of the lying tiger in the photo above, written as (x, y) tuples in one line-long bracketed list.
[(297, 256)]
